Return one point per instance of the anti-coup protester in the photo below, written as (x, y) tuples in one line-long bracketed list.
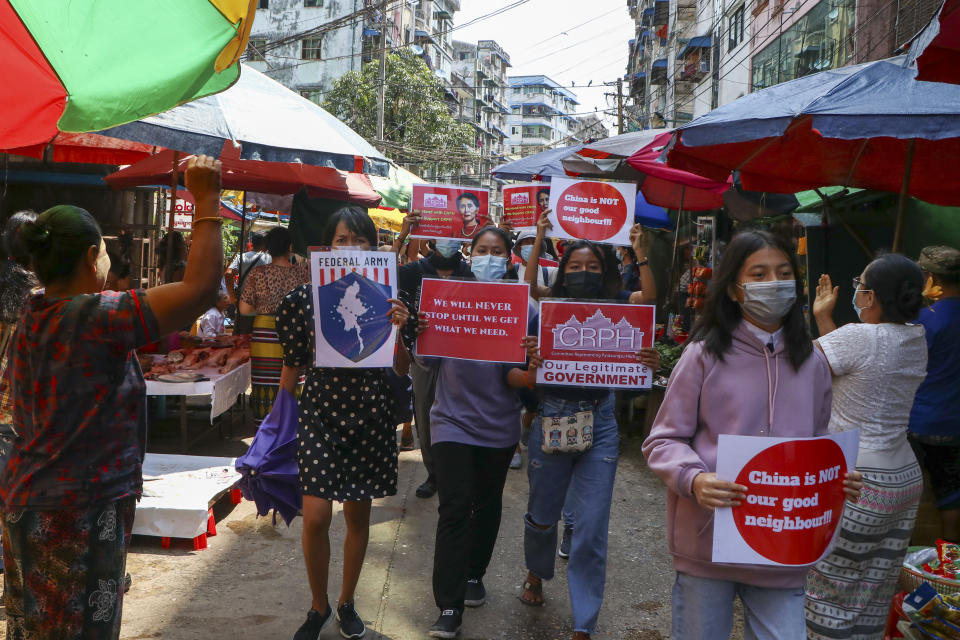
[(588, 272), (475, 427), (877, 365), (346, 439), (445, 261), (749, 369), (74, 474)]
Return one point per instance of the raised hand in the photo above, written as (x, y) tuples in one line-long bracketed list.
[(826, 298), (544, 224), (398, 312), (531, 344), (202, 179)]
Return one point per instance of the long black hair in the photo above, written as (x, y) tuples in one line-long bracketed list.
[(357, 221), (58, 240), (608, 260), (507, 242), (721, 314), (16, 278), (897, 284)]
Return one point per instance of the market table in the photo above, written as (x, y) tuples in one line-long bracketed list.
[(223, 389), (178, 493)]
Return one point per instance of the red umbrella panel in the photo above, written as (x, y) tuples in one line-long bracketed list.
[(802, 159), (257, 176), (675, 188), (936, 49), (89, 148)]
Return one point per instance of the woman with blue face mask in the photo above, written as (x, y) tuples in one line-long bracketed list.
[(474, 429), (877, 366)]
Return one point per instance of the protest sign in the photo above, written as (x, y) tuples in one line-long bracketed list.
[(182, 212), (592, 210), (594, 344), (473, 320), (523, 204), (350, 293), (794, 497), (448, 211)]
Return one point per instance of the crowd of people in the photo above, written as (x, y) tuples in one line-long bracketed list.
[(73, 418)]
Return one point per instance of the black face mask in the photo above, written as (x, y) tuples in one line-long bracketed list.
[(583, 284), (441, 263)]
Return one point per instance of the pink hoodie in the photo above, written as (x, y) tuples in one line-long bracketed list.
[(744, 394)]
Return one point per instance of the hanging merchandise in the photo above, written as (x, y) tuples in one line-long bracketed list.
[(704, 253)]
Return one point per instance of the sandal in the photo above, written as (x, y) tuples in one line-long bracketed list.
[(536, 590)]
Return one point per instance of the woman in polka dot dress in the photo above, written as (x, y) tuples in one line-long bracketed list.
[(347, 449)]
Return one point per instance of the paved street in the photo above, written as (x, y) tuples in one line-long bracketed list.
[(251, 584)]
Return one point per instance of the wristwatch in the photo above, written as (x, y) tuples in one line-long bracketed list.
[(643, 263)]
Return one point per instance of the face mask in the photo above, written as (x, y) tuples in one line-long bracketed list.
[(526, 251), (619, 255), (488, 268), (768, 302), (856, 309), (583, 284), (447, 248)]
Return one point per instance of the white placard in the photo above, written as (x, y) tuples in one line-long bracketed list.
[(592, 210)]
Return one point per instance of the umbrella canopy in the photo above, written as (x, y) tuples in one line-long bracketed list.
[(396, 189), (936, 49), (269, 121), (269, 467), (650, 216), (84, 66), (539, 166), (605, 158), (253, 175), (390, 219), (871, 126), (89, 147)]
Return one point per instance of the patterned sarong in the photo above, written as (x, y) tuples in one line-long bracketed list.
[(266, 361)]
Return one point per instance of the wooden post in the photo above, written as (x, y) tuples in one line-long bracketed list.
[(904, 189)]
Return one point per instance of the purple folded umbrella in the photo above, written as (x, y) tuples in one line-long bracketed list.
[(269, 467)]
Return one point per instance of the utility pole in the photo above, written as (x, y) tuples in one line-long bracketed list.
[(382, 76), (620, 105)]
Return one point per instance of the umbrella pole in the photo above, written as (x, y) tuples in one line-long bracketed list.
[(243, 229), (174, 181), (676, 243), (904, 188)]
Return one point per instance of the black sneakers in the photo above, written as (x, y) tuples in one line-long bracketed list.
[(564, 551), (351, 626), (476, 594), (316, 622), (447, 625), (427, 490)]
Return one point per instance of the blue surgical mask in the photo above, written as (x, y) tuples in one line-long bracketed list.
[(488, 268), (447, 248), (525, 252), (856, 309)]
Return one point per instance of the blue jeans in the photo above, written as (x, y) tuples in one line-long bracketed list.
[(590, 475), (703, 610)]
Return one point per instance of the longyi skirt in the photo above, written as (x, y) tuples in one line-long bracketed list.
[(266, 361)]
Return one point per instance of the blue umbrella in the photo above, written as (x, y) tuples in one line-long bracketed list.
[(539, 166), (269, 467), (651, 216)]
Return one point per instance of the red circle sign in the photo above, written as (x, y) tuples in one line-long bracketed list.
[(591, 210), (794, 500)]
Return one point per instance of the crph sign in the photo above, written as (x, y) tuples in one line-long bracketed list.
[(598, 333)]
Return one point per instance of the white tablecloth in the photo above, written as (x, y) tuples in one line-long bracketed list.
[(177, 491), (223, 388)]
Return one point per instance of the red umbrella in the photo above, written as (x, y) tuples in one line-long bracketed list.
[(257, 176), (89, 147), (674, 188), (936, 49)]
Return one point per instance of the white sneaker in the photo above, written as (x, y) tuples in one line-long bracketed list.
[(517, 461)]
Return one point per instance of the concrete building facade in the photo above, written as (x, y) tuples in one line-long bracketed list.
[(541, 115)]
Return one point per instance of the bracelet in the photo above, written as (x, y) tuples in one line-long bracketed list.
[(643, 263), (218, 220), (526, 379)]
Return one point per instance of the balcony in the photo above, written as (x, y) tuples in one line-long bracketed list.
[(696, 70), (658, 74)]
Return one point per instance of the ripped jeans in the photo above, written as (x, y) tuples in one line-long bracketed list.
[(590, 475)]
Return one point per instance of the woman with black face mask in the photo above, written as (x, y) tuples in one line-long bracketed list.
[(587, 271)]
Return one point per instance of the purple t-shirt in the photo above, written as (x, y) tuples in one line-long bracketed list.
[(80, 403), (474, 404)]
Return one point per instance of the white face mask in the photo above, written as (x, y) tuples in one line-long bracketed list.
[(768, 302), (488, 268)]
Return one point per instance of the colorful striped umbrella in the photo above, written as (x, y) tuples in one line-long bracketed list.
[(86, 66)]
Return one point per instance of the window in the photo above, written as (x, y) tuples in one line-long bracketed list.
[(313, 95), (736, 27), (263, 4), (255, 47), (310, 48), (313, 3)]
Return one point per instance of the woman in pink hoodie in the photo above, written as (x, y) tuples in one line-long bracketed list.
[(750, 369)]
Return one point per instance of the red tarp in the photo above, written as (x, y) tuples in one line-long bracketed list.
[(90, 148), (672, 188), (940, 60)]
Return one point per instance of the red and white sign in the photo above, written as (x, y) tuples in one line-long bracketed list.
[(472, 320), (182, 211), (449, 211), (794, 497), (523, 204), (595, 344), (592, 210)]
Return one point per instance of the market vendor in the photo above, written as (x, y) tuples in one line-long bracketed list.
[(211, 323)]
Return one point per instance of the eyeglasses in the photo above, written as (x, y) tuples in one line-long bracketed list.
[(857, 282)]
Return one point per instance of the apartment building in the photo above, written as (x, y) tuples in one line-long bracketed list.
[(542, 115)]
